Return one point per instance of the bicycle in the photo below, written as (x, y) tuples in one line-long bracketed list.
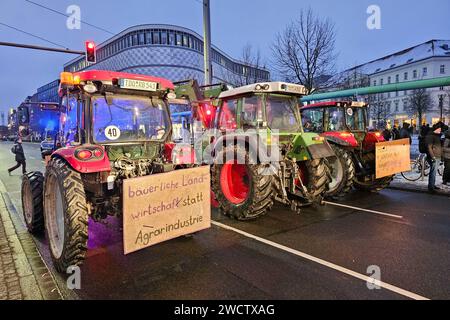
[(421, 169)]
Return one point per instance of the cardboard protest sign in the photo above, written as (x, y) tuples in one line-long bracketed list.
[(392, 157), (164, 206)]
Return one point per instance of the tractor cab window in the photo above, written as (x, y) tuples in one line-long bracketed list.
[(355, 119), (70, 121), (129, 119), (251, 112), (312, 120), (227, 115), (281, 114), (336, 119)]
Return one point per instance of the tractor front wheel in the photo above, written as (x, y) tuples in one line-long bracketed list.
[(242, 190), (32, 201), (66, 215)]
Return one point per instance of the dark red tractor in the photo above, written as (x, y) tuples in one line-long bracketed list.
[(345, 125), (113, 126)]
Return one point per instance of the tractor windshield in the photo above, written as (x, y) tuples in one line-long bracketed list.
[(129, 119), (355, 118), (282, 113)]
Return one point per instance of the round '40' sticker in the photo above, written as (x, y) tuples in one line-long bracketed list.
[(112, 133)]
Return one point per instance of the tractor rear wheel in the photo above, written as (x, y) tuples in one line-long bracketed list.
[(342, 171), (375, 185), (66, 215), (314, 176), (243, 191), (371, 185), (32, 201)]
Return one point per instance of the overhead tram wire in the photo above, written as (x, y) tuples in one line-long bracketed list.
[(68, 16), (32, 35)]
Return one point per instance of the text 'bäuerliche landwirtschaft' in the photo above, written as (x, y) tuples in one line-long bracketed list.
[(184, 182)]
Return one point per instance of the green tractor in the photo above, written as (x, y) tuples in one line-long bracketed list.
[(260, 154)]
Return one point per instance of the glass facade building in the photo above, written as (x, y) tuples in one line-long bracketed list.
[(167, 51)]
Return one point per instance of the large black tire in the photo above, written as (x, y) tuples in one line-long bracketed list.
[(375, 185), (255, 178), (315, 177), (342, 171), (65, 202), (32, 201)]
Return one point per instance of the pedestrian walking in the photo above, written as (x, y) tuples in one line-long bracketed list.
[(17, 149), (434, 153), (405, 133), (446, 158)]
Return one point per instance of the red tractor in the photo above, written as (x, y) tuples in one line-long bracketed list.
[(114, 126), (344, 125)]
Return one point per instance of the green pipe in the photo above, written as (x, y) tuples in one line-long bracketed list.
[(400, 86)]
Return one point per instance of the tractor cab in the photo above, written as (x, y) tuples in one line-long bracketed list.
[(270, 106), (341, 122), (118, 115)]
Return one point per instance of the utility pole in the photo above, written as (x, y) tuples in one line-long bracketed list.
[(207, 42)]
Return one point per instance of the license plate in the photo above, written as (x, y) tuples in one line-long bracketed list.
[(138, 85)]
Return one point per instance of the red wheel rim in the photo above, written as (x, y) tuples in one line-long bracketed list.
[(234, 182)]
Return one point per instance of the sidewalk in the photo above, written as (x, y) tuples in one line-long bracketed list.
[(23, 274), (401, 183)]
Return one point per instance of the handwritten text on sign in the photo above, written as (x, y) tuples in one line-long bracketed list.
[(164, 206), (392, 157)]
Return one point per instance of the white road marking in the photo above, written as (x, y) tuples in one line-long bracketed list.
[(365, 210), (322, 262)]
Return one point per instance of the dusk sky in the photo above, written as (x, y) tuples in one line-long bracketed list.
[(403, 24)]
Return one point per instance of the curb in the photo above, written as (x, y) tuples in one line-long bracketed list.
[(417, 190), (36, 281)]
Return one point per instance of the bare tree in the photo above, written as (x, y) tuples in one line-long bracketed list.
[(251, 61), (304, 52), (379, 110), (419, 102)]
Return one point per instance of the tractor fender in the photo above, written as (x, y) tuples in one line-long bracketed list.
[(307, 146), (341, 139), (90, 166)]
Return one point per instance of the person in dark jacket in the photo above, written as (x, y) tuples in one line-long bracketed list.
[(405, 133), (446, 158), (17, 149), (395, 133), (387, 134), (434, 153)]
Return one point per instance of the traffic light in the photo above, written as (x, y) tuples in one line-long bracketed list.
[(90, 52)]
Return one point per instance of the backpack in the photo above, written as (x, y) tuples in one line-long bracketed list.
[(13, 149), (422, 145)]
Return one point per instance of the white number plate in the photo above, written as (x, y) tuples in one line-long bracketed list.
[(138, 85)]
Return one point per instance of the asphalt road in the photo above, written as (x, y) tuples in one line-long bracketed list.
[(323, 253)]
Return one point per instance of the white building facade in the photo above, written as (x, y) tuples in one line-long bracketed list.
[(425, 61)]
